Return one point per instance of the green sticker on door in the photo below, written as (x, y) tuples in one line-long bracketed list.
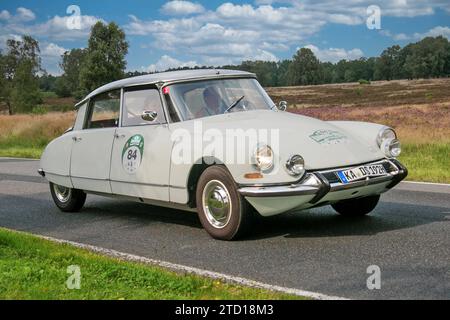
[(132, 153)]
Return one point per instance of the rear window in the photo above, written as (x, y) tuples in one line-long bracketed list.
[(104, 110)]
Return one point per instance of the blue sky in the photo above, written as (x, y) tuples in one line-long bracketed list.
[(165, 34)]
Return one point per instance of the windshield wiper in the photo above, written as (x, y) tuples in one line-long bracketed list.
[(234, 104)]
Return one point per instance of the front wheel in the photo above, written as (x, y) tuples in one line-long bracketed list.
[(356, 207), (67, 199), (223, 212)]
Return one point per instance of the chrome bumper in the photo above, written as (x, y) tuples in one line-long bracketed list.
[(320, 183)]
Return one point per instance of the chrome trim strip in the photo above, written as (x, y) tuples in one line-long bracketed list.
[(142, 183), (127, 182), (57, 174), (96, 179), (309, 186), (149, 184)]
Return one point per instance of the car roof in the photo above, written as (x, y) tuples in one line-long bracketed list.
[(167, 77)]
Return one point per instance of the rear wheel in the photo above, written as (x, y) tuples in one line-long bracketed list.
[(223, 212), (356, 207), (67, 199)]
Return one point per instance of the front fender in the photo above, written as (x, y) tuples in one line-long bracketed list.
[(55, 160), (366, 132)]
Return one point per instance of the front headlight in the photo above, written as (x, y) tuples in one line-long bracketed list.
[(385, 134), (263, 157), (295, 165), (388, 142), (391, 147)]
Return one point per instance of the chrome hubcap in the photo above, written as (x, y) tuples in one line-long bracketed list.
[(216, 204), (62, 193)]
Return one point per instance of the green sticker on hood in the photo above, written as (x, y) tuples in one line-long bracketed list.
[(327, 136), (132, 153)]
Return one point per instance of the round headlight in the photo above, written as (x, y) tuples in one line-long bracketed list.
[(263, 157), (391, 147), (386, 134), (295, 165)]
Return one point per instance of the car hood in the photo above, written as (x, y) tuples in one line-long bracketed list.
[(321, 143)]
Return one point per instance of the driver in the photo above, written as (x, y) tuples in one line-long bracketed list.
[(213, 102)]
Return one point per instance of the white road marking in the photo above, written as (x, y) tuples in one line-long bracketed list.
[(193, 270), (427, 183)]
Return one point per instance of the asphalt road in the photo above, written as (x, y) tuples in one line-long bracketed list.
[(407, 236)]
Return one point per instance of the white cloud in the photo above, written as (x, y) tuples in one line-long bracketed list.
[(57, 28), (178, 7), (5, 15), (51, 57), (436, 31), (232, 32), (335, 54), (52, 50), (24, 14), (167, 62)]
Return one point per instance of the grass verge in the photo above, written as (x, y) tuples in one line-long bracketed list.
[(427, 162), (34, 268)]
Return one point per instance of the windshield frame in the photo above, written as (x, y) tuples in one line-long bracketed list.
[(182, 115)]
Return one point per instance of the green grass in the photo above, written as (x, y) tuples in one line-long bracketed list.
[(33, 268), (12, 146), (427, 162)]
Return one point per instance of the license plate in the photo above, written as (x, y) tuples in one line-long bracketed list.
[(362, 172)]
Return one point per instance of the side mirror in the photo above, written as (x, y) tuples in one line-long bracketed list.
[(282, 106), (148, 115)]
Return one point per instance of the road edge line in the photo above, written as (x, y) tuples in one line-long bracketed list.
[(428, 183), (192, 270)]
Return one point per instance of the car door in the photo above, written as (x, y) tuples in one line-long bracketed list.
[(140, 160), (91, 151)]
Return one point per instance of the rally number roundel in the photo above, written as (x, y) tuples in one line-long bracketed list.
[(132, 153)]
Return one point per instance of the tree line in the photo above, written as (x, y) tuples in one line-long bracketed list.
[(22, 78)]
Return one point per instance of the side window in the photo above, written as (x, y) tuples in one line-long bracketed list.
[(104, 110), (136, 101), (80, 117)]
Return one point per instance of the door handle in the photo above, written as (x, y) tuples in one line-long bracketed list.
[(76, 139), (118, 136)]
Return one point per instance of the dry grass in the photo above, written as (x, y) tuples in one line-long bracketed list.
[(27, 135), (31, 126)]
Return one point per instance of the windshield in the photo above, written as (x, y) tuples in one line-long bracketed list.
[(211, 97)]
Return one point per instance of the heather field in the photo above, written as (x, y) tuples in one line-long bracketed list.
[(419, 110)]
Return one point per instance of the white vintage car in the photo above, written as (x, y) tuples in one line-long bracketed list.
[(166, 139)]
